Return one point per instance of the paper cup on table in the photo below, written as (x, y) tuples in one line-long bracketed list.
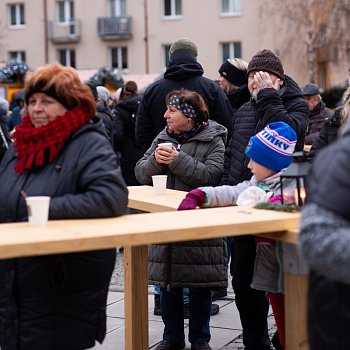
[(159, 183), (38, 209)]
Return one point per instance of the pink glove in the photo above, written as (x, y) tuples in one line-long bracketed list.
[(193, 199)]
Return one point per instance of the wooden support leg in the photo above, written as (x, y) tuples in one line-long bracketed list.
[(136, 297), (296, 311)]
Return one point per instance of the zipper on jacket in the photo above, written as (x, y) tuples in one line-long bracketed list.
[(168, 267)]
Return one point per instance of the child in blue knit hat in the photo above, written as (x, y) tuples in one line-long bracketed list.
[(270, 152)]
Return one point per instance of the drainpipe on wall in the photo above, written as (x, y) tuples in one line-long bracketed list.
[(146, 37), (46, 44)]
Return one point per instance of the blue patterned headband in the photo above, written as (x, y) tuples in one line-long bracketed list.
[(183, 107)]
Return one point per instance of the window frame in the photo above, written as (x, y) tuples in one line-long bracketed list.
[(122, 52), (173, 7), (231, 50), (70, 57), (17, 56), (166, 49), (68, 12), (234, 8), (19, 13), (117, 8)]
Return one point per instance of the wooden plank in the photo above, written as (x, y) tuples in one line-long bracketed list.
[(136, 297), (22, 239), (144, 198), (296, 311)]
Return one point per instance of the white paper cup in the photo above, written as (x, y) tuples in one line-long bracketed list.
[(165, 144), (38, 209), (159, 183)]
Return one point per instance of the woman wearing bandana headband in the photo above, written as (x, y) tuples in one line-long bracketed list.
[(196, 157)]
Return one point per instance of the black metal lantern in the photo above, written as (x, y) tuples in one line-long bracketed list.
[(297, 172)]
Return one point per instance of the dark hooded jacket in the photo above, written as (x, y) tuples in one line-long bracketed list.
[(286, 105), (129, 150), (183, 71), (58, 302)]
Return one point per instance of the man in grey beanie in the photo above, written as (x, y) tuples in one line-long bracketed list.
[(183, 71), (275, 97)]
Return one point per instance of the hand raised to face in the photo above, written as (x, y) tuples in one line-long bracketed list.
[(264, 80)]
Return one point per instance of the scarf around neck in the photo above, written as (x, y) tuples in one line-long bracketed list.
[(37, 146), (185, 135)]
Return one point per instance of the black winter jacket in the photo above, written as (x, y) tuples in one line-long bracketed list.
[(286, 105), (129, 150), (183, 72), (328, 134), (58, 302)]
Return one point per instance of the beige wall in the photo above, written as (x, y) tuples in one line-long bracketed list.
[(201, 22)]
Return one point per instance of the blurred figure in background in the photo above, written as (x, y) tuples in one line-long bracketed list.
[(124, 120), (17, 110), (5, 139), (318, 112)]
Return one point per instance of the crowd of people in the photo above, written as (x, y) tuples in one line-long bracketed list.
[(231, 140)]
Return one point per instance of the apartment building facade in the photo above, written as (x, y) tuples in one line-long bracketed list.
[(134, 36)]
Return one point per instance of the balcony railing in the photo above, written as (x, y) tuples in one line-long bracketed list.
[(114, 27), (69, 31)]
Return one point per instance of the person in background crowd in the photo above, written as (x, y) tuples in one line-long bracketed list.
[(17, 110), (104, 111), (125, 144), (318, 112), (195, 159), (183, 71), (275, 97), (60, 150), (270, 152), (324, 241), (330, 129), (5, 139), (234, 82)]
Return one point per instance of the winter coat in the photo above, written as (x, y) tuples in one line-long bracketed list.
[(105, 114), (324, 241), (328, 134), (317, 118), (199, 162), (286, 105), (268, 268), (193, 264), (58, 302), (125, 143), (239, 97), (183, 72)]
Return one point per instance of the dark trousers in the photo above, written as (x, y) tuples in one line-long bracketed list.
[(172, 314), (252, 304)]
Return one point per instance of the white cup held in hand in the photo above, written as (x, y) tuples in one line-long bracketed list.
[(165, 144), (38, 209), (159, 183)]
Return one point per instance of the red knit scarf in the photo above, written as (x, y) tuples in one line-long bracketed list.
[(35, 145)]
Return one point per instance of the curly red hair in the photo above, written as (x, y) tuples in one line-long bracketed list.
[(63, 84)]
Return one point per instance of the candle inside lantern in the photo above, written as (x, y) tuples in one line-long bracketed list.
[(300, 196)]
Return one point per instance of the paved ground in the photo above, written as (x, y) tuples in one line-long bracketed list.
[(225, 327)]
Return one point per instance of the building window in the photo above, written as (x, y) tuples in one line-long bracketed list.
[(119, 58), (16, 15), (231, 7), (65, 11), (17, 56), (66, 57), (172, 8), (166, 49), (231, 50), (117, 8)]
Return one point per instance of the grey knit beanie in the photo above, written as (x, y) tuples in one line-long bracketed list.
[(266, 60), (186, 44)]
